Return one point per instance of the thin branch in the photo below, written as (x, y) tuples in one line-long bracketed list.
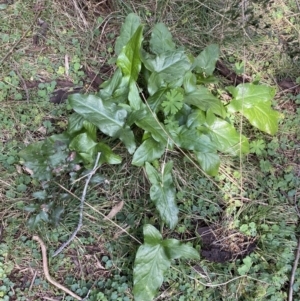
[(46, 269), (81, 209), (294, 271)]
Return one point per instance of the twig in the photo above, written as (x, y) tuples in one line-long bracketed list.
[(294, 271), (32, 281), (81, 208), (46, 270)]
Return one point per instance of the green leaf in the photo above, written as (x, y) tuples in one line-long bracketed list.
[(205, 62), (129, 59), (90, 129), (161, 39), (169, 66), (149, 122), (153, 259), (227, 139), (163, 194), (173, 102), (75, 123), (190, 82), (84, 146), (151, 262), (176, 249), (37, 219), (247, 263), (156, 99), (132, 22), (155, 83), (127, 137), (263, 117), (106, 116), (203, 99), (196, 119), (151, 235), (56, 215), (107, 155), (254, 102), (148, 151), (134, 98), (192, 139), (209, 162)]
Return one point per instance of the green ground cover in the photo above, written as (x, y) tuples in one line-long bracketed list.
[(251, 200)]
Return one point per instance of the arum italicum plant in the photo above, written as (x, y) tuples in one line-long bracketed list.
[(162, 93)]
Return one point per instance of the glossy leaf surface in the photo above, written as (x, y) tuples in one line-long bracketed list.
[(254, 102), (163, 193), (153, 259), (132, 22), (161, 39), (148, 151), (206, 61)]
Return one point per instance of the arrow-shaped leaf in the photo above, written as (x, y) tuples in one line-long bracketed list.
[(227, 139), (254, 102), (206, 60), (161, 39), (169, 66), (153, 259), (163, 193)]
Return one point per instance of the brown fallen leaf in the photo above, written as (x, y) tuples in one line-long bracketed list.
[(115, 210)]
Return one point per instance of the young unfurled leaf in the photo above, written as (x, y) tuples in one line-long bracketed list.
[(205, 62), (173, 102), (129, 62), (153, 259), (132, 22), (163, 193), (129, 59), (254, 102)]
